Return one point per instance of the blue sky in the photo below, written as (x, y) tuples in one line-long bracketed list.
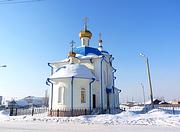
[(33, 34)]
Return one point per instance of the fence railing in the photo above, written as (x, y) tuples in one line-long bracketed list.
[(68, 112), (168, 108), (172, 109), (23, 111), (56, 113)]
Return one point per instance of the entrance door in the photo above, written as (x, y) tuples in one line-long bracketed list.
[(94, 101)]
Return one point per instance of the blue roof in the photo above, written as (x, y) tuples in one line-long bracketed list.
[(104, 52), (87, 50)]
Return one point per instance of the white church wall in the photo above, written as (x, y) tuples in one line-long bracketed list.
[(64, 83), (78, 85), (116, 98), (95, 90), (97, 66)]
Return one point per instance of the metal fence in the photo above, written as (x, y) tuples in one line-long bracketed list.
[(171, 109), (23, 111), (39, 111), (168, 108), (68, 112)]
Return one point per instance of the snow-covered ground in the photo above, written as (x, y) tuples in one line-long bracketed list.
[(71, 127), (155, 120)]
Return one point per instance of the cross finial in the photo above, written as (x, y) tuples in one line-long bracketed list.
[(100, 36), (72, 45), (100, 39), (85, 22)]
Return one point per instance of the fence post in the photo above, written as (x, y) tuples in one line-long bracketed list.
[(11, 112), (50, 112), (32, 111), (58, 113), (85, 111), (173, 110), (16, 112)]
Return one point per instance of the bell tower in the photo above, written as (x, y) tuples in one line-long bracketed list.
[(85, 35)]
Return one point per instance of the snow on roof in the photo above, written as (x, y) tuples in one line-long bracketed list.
[(61, 61), (22, 103), (73, 70), (88, 56)]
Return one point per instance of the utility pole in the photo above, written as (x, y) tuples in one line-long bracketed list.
[(149, 78), (143, 93)]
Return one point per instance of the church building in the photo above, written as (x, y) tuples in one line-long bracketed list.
[(83, 83)]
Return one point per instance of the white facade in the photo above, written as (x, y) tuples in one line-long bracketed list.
[(85, 80)]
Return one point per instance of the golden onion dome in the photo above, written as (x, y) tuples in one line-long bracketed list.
[(71, 54), (85, 33)]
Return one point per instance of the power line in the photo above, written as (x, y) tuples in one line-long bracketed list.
[(17, 1)]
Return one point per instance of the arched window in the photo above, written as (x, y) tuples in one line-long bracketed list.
[(83, 95), (60, 95)]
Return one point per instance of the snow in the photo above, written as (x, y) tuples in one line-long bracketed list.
[(54, 127), (156, 120), (76, 70), (154, 117)]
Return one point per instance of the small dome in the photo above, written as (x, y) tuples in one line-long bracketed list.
[(71, 54), (85, 33)]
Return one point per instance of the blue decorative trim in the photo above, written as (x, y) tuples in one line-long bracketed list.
[(72, 87), (102, 84), (60, 68), (90, 107), (48, 80), (108, 90), (71, 77), (47, 83), (105, 52)]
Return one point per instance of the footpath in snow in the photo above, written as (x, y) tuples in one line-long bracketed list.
[(154, 117)]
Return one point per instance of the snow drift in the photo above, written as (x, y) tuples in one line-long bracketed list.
[(154, 117)]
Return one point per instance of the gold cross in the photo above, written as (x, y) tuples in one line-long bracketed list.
[(85, 22)]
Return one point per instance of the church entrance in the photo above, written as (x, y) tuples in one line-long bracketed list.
[(94, 101)]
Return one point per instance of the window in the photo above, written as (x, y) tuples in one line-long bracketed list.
[(60, 95), (83, 95)]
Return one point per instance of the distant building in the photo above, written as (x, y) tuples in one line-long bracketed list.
[(175, 101), (155, 101), (12, 104), (26, 102)]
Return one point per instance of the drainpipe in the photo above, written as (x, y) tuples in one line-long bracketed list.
[(47, 83), (51, 86), (110, 60), (93, 79), (102, 84), (119, 91), (49, 64), (72, 82), (114, 70)]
